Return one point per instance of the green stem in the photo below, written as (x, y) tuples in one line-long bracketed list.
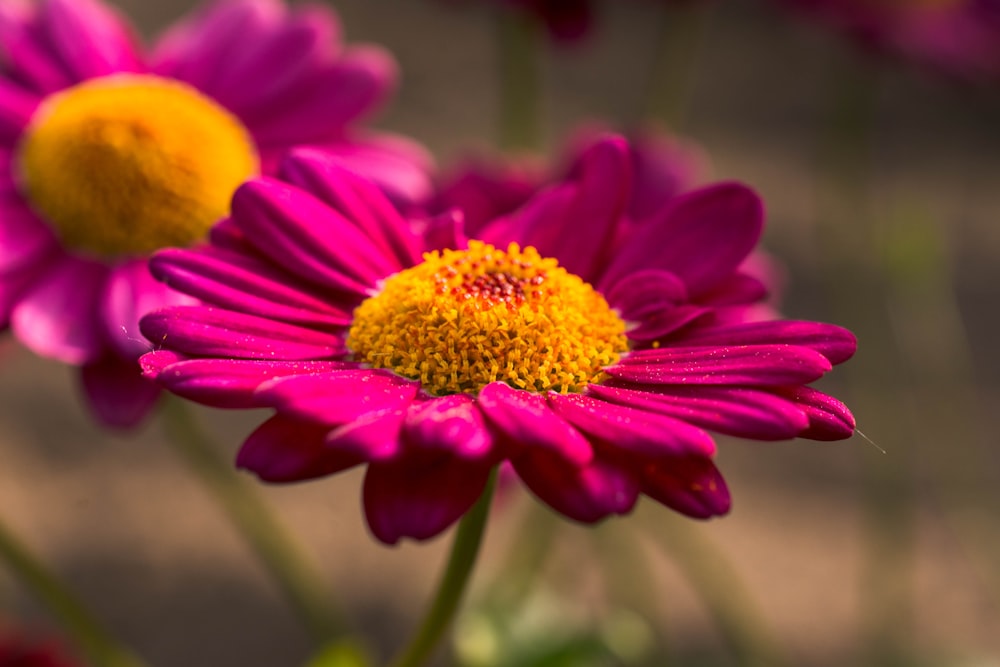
[(678, 45), (93, 639), (274, 545), (442, 610), (517, 45)]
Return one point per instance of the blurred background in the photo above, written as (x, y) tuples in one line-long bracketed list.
[(845, 553)]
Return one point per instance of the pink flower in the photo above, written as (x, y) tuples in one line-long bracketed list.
[(593, 360), (108, 153), (960, 38)]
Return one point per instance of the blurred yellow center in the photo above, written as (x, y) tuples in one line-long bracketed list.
[(465, 318), (127, 164)]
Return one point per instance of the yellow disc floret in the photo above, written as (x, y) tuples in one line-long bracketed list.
[(126, 164), (465, 318)]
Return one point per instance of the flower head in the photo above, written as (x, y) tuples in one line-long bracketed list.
[(107, 154), (583, 349)]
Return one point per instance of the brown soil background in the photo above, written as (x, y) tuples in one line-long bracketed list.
[(851, 556)]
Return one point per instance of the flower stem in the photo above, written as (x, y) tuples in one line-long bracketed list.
[(294, 573), (101, 649), (442, 610), (517, 46)]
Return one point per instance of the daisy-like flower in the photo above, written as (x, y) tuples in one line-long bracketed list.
[(108, 153), (580, 348)]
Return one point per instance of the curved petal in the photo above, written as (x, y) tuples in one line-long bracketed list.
[(290, 450), (643, 293), (36, 67), (24, 238), (356, 199), (209, 332), (56, 317), (375, 436), (338, 397), (16, 108), (323, 104), (752, 365), (116, 391), (587, 494), (297, 231), (667, 322), (450, 424), (278, 59), (526, 422), (692, 486), (239, 282), (225, 383), (420, 501), (199, 50), (627, 429), (130, 293), (701, 237), (835, 343), (580, 237), (829, 419), (747, 413), (399, 166), (91, 38)]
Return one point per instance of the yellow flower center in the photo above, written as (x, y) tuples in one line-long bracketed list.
[(465, 318), (127, 164)]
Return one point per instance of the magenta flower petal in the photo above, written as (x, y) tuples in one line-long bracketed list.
[(835, 343), (54, 317), (90, 37), (450, 424), (294, 228), (587, 494), (116, 391), (284, 54), (238, 282), (16, 107), (35, 66), (682, 239), (334, 398), (579, 237), (283, 449), (646, 293), (692, 486), (647, 434), (747, 413), (375, 436), (226, 383), (667, 321), (206, 331), (752, 365), (419, 499), (348, 89), (198, 50), (356, 199), (400, 167), (829, 419), (526, 422), (129, 293), (24, 239)]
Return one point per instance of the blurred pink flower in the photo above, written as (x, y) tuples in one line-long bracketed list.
[(108, 153), (589, 358), (20, 650), (960, 38)]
